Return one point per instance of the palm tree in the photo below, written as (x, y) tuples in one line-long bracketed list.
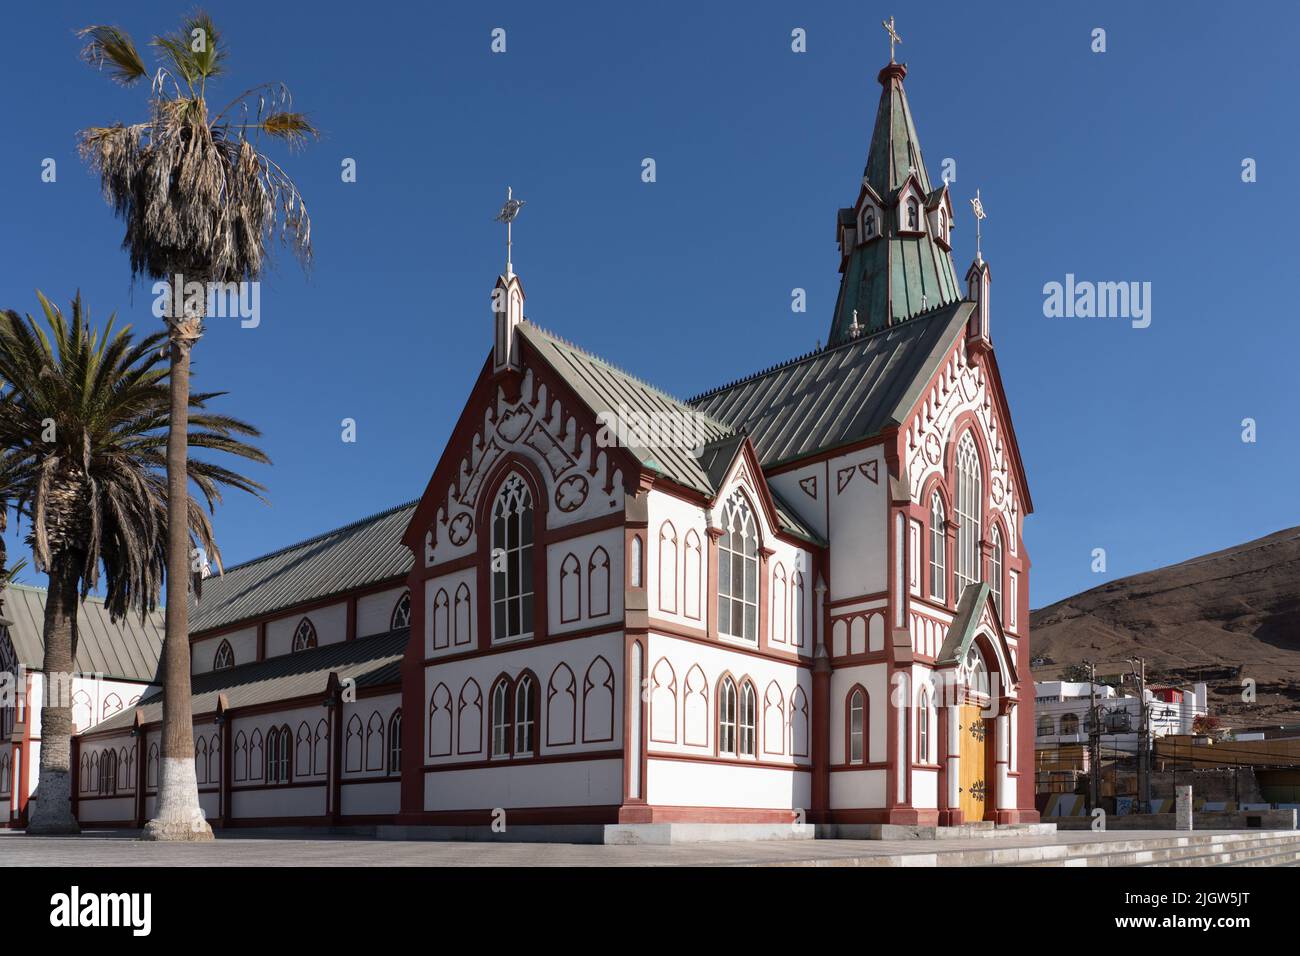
[(84, 421), (201, 204)]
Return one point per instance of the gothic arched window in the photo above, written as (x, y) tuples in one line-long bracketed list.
[(857, 724), (969, 499), (512, 560), (395, 742), (224, 658), (923, 726), (279, 750), (304, 638), (738, 571), (401, 616), (501, 719), (913, 214), (748, 720), (525, 716), (995, 571), (938, 549), (727, 717)]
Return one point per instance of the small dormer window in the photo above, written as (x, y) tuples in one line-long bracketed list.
[(943, 223), (869, 224), (913, 215)]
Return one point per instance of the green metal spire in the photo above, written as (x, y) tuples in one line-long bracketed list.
[(902, 272)]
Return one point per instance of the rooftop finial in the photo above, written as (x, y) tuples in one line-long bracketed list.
[(980, 216), (507, 215), (893, 36), (855, 329)]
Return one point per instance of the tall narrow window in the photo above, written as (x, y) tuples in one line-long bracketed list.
[(738, 571), (923, 727), (938, 549), (913, 215), (512, 560), (500, 720), (395, 742), (525, 722), (748, 720), (969, 499), (727, 717), (995, 571), (637, 556), (224, 658), (869, 224), (857, 725)]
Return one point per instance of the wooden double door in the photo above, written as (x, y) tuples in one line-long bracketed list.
[(972, 729)]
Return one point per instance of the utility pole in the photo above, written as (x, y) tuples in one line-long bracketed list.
[(1144, 744), (1094, 740)]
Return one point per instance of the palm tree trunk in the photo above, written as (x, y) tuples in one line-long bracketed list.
[(178, 816), (52, 812)]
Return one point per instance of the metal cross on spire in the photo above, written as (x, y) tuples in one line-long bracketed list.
[(980, 216), (507, 215), (893, 35)]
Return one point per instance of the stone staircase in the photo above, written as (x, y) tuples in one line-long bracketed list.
[(1262, 848)]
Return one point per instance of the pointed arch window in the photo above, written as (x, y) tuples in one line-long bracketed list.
[(913, 214), (923, 732), (727, 717), (401, 616), (995, 571), (395, 742), (279, 752), (748, 720), (224, 658), (525, 716), (969, 499), (501, 719), (738, 571), (857, 724), (938, 549), (304, 637), (512, 560)]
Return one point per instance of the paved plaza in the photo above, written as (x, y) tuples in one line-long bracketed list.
[(123, 849)]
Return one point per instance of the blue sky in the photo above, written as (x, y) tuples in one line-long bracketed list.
[(1119, 166)]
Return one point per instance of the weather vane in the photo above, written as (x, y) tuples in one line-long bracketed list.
[(893, 36), (980, 215), (507, 215)]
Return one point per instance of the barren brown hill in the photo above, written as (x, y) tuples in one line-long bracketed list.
[(1223, 618)]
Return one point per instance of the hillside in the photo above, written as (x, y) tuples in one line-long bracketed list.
[(1222, 618)]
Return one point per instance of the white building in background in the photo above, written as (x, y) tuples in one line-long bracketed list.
[(1062, 709), (115, 664)]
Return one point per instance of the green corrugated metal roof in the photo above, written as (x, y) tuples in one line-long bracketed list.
[(840, 394), (605, 388), (370, 661), (127, 649), (361, 553)]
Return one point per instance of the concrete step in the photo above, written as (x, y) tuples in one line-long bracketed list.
[(1241, 854), (1205, 849)]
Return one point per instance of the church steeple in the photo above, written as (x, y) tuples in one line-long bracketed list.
[(895, 241)]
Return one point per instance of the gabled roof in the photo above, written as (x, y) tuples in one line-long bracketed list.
[(607, 389), (840, 394), (364, 552), (370, 661), (126, 650)]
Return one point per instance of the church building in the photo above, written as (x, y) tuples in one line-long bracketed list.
[(798, 598)]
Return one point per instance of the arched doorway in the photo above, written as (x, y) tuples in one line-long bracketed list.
[(974, 787)]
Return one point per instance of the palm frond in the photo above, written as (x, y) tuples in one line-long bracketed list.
[(112, 47)]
